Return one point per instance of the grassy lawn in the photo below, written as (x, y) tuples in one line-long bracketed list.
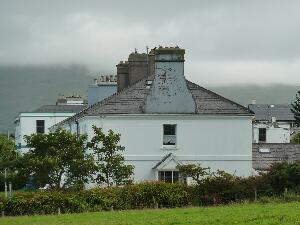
[(288, 213)]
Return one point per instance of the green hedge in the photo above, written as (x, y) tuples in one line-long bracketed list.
[(144, 195), (216, 190), (43, 203), (220, 189), (137, 196)]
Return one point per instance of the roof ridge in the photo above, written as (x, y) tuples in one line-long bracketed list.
[(57, 108), (281, 104)]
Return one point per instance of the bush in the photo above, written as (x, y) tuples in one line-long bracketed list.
[(138, 196), (43, 203), (284, 175)]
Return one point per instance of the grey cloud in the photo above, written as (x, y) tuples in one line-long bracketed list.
[(226, 41)]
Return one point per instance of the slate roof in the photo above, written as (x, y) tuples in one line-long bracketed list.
[(60, 109), (131, 100), (265, 112)]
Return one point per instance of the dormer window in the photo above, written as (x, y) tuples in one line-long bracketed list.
[(169, 137)]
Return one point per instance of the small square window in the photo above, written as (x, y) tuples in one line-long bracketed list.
[(40, 126), (169, 137)]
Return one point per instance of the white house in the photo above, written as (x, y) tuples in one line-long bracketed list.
[(272, 123), (102, 88), (41, 119), (165, 120)]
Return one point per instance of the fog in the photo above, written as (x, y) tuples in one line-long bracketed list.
[(226, 42)]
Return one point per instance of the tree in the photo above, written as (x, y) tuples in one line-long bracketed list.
[(194, 171), (8, 159), (284, 175), (296, 138), (296, 108), (8, 154), (111, 169), (59, 159)]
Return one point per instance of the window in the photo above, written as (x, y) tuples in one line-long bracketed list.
[(168, 176), (40, 126), (264, 150), (262, 134), (169, 134)]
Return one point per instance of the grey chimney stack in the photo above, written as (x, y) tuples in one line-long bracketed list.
[(122, 75), (169, 92), (138, 67), (151, 63)]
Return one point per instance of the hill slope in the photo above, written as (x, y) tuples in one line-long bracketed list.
[(25, 88)]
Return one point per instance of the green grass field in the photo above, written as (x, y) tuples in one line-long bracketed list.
[(288, 213)]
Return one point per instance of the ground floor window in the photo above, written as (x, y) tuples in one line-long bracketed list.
[(168, 176)]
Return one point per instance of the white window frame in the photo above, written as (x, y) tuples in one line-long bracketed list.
[(163, 180), (170, 146), (37, 127)]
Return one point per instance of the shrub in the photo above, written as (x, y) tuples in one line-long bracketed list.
[(284, 175)]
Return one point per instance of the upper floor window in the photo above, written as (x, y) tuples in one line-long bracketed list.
[(262, 135), (169, 134), (40, 126)]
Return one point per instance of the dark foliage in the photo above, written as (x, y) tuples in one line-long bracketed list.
[(8, 161), (296, 108), (59, 159)]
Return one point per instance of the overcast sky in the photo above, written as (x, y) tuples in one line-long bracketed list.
[(226, 42)]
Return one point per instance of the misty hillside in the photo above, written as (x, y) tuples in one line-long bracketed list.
[(25, 88), (270, 94)]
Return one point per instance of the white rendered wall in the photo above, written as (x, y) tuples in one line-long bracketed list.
[(27, 125), (274, 134), (217, 141)]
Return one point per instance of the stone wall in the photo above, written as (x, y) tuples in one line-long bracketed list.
[(264, 155)]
